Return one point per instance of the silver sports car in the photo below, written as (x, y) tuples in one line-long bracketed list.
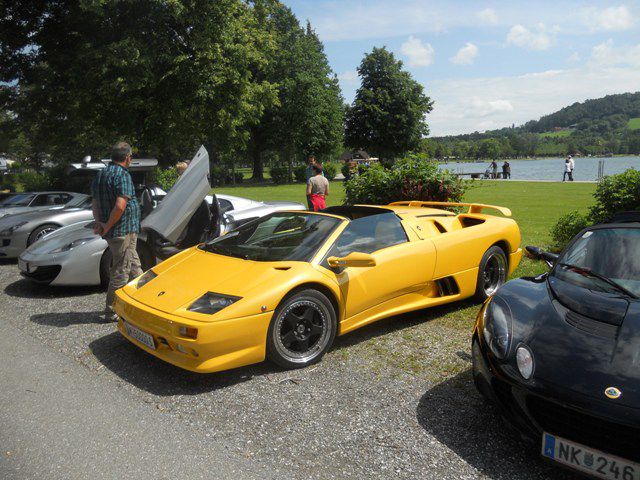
[(19, 231), (31, 201), (74, 255)]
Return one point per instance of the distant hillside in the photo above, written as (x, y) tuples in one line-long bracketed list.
[(615, 110), (608, 125)]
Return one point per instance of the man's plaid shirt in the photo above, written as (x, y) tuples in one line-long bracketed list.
[(109, 184)]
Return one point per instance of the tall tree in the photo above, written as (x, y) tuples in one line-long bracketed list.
[(387, 117), (308, 115), (165, 75)]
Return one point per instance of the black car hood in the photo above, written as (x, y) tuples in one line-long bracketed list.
[(581, 340)]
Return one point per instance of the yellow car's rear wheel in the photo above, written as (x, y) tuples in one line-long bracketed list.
[(492, 273), (302, 329)]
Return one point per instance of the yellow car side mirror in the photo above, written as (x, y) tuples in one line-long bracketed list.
[(354, 259)]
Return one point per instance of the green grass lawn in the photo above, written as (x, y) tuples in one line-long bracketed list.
[(558, 134), (535, 205), (634, 123)]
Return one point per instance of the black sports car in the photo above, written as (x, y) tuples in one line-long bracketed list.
[(560, 353)]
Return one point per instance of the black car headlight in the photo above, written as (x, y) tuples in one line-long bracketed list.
[(145, 278), (497, 327), (211, 303)]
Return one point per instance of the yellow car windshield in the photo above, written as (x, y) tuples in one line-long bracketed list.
[(280, 236)]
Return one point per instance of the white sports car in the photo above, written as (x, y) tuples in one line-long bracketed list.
[(74, 255)]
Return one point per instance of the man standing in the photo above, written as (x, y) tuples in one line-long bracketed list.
[(572, 166), (506, 170), (317, 189), (117, 215), (494, 169), (309, 174)]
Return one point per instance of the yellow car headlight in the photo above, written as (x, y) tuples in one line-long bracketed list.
[(211, 303)]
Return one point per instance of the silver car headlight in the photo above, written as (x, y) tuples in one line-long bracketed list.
[(9, 230), (211, 303), (72, 245), (145, 278), (497, 327)]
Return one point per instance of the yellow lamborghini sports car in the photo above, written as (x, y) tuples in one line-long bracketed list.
[(283, 286)]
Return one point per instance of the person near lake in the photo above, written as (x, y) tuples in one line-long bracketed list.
[(317, 189), (310, 174), (494, 169), (506, 170), (117, 215), (568, 169), (572, 163)]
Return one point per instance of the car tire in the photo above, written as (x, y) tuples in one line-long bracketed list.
[(41, 231), (492, 273), (105, 266), (302, 329)]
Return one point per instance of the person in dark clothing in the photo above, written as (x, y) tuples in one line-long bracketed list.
[(506, 170)]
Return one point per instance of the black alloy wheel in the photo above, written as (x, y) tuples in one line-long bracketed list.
[(302, 329)]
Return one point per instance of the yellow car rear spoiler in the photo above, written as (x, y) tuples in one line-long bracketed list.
[(473, 207)]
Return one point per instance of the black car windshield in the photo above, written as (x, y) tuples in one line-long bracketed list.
[(604, 259), (20, 200), (279, 236)]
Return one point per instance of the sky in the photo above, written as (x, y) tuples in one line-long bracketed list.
[(487, 64)]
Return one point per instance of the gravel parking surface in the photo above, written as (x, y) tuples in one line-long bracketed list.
[(393, 400)]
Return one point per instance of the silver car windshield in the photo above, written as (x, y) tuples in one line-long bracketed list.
[(20, 200)]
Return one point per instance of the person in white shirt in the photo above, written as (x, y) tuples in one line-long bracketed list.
[(568, 168)]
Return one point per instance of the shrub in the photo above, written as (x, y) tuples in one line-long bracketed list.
[(217, 174), (616, 193), (32, 181), (166, 177), (408, 179), (567, 227), (330, 170), (280, 174), (346, 171), (300, 173)]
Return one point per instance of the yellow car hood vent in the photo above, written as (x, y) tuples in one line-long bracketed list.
[(184, 282)]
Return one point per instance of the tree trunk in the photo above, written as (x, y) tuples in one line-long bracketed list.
[(258, 165)]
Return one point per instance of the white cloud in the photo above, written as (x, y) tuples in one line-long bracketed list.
[(522, 37), (465, 55), (573, 58), (349, 77), (609, 19), (484, 108), (487, 16), (475, 104), (607, 55), (418, 53)]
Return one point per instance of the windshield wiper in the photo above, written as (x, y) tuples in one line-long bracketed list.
[(599, 276)]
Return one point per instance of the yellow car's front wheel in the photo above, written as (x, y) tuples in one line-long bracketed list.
[(302, 329)]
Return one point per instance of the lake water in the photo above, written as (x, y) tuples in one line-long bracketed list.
[(586, 168)]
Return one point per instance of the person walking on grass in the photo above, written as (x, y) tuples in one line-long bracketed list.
[(117, 214), (309, 173), (317, 189)]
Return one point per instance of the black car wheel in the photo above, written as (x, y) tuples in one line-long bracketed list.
[(41, 231), (302, 329), (492, 273)]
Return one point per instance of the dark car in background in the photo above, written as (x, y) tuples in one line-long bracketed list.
[(560, 353)]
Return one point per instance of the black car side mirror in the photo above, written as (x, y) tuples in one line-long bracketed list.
[(537, 253)]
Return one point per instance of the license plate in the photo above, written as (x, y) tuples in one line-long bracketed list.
[(139, 335), (588, 460), (23, 266)]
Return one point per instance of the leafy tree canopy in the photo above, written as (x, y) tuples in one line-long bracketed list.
[(387, 117)]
